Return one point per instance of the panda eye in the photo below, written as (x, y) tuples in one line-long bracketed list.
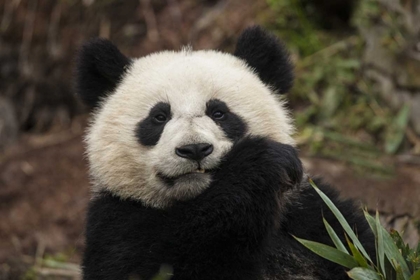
[(161, 118), (218, 115)]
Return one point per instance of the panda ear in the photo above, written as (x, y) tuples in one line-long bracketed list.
[(267, 56), (100, 67)]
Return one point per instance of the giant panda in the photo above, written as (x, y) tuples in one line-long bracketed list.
[(194, 167)]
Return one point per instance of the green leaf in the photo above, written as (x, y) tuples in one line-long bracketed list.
[(390, 271), (342, 220), (416, 275), (349, 63), (360, 273), (390, 250), (394, 255), (372, 223), (329, 253), (330, 102), (398, 270), (165, 273), (405, 249), (337, 242), (380, 248), (395, 133), (356, 254)]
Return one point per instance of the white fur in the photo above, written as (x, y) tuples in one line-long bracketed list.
[(186, 80)]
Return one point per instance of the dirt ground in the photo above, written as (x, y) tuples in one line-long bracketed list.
[(44, 191)]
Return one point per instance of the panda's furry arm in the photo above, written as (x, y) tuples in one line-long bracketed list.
[(223, 233), (220, 234)]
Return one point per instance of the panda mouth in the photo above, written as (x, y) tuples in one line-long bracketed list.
[(199, 171), (170, 181)]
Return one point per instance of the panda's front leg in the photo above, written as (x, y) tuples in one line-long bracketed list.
[(222, 233)]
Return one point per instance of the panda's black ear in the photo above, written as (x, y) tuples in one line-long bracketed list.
[(267, 56), (100, 67)]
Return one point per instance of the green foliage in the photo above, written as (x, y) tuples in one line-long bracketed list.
[(165, 273), (330, 85), (398, 29), (57, 265), (329, 253), (395, 133), (293, 25), (342, 220), (394, 258), (30, 274)]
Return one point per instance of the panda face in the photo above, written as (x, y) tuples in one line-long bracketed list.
[(185, 145), (160, 133)]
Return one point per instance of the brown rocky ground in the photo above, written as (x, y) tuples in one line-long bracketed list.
[(44, 191)]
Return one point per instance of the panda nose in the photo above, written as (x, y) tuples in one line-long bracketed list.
[(195, 151)]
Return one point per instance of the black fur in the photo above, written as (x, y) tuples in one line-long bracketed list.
[(267, 56), (100, 66), (233, 125), (303, 218), (239, 228), (149, 130)]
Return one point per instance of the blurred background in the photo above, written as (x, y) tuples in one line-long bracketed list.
[(356, 102)]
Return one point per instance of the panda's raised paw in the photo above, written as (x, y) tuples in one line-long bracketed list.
[(259, 156)]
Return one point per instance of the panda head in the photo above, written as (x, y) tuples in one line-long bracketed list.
[(162, 123)]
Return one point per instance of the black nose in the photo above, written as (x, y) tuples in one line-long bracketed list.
[(195, 151)]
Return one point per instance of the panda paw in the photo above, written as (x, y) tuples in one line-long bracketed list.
[(253, 157)]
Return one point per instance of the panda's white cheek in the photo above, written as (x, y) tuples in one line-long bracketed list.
[(163, 159)]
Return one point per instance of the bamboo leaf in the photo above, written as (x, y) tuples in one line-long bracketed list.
[(349, 63), (404, 248), (329, 253), (360, 273), (398, 270), (342, 220), (372, 223), (380, 251), (416, 275), (330, 102), (390, 249), (165, 273), (394, 255), (356, 254), (395, 133), (337, 242), (390, 271)]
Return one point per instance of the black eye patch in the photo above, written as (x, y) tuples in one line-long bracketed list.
[(150, 129), (233, 125)]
